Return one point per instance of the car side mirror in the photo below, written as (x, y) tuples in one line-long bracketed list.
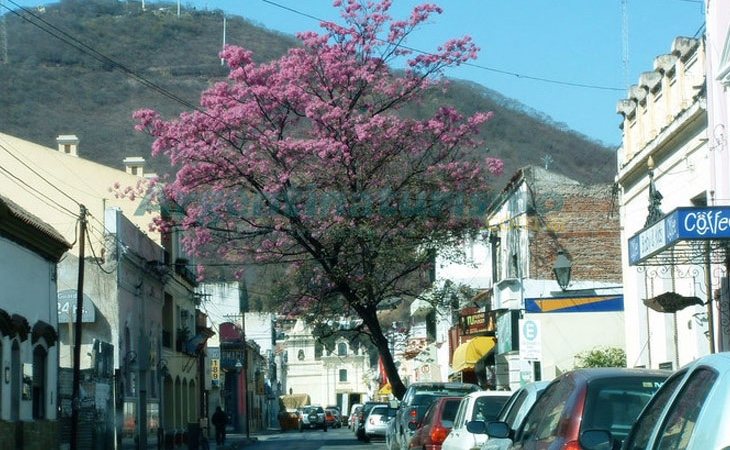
[(412, 426), (499, 430), (476, 427), (596, 440)]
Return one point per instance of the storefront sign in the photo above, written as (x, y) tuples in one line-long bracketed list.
[(481, 323), (215, 370), (67, 307), (507, 331), (682, 224), (530, 340)]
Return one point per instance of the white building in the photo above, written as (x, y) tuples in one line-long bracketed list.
[(339, 377), (665, 163), (29, 251)]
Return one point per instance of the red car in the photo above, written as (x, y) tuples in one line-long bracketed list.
[(436, 424), (579, 400)]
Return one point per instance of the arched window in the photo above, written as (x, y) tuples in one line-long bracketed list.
[(341, 349), (300, 355), (343, 374), (40, 381)]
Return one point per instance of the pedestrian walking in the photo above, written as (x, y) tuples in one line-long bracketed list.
[(220, 420)]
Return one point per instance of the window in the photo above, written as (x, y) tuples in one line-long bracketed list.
[(343, 374), (487, 408), (639, 439), (550, 405), (40, 362), (300, 355), (514, 409), (341, 349), (676, 431)]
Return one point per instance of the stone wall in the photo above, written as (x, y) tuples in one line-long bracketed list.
[(36, 435)]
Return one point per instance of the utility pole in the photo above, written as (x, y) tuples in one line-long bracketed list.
[(3, 34), (76, 396)]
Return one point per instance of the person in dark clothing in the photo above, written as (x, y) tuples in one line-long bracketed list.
[(220, 420)]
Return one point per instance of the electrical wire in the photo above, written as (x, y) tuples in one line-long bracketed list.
[(39, 175), (48, 200), (96, 258), (476, 66)]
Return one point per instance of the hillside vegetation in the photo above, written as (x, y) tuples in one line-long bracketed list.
[(77, 82)]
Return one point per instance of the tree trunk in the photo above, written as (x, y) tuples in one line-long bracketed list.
[(381, 343)]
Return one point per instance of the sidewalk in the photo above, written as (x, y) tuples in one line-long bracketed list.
[(235, 441)]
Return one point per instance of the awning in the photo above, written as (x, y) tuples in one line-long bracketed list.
[(467, 354)]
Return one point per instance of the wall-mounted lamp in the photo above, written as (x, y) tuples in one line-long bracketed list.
[(561, 270)]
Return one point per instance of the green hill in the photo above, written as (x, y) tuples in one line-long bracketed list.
[(68, 64)]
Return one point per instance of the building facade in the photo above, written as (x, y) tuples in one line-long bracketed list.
[(29, 252), (664, 164)]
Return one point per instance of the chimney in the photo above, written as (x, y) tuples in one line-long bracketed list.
[(134, 165), (68, 144)]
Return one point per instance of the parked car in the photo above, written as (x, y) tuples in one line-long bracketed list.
[(362, 416), (354, 409), (579, 400), (436, 424), (331, 417), (514, 412), (416, 401), (691, 411), (312, 417), (337, 412), (483, 406), (390, 441), (376, 422)]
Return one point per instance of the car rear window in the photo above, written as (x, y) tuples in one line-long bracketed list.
[(614, 404), (423, 399), (448, 413), (487, 408), (382, 410)]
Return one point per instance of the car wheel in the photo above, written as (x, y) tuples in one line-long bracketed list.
[(366, 438)]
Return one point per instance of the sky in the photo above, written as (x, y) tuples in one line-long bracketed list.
[(562, 58), (567, 41)]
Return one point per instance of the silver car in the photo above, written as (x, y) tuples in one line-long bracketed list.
[(376, 423), (514, 412), (691, 411)]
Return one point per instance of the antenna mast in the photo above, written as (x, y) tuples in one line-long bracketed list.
[(625, 39)]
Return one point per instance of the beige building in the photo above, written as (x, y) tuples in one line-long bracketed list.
[(664, 164), (139, 286)]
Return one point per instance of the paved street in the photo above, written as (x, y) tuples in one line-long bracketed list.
[(333, 439)]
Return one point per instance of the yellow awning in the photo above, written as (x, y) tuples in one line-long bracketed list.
[(467, 354), (386, 389)]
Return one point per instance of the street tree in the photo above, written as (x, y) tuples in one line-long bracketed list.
[(308, 162)]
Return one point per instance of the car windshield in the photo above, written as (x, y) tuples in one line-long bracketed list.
[(487, 408), (614, 404)]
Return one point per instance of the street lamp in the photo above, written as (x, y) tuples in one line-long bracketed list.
[(561, 270)]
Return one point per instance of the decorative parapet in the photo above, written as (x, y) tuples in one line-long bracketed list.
[(661, 96)]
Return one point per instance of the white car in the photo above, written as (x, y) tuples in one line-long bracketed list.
[(376, 423), (515, 411), (480, 405), (691, 411)]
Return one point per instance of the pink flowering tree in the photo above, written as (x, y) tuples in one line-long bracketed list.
[(306, 161)]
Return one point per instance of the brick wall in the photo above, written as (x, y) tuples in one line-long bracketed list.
[(579, 220)]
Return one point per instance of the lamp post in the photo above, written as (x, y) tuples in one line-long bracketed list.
[(561, 270)]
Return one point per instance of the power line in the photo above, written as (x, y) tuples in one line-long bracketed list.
[(476, 66), (54, 204), (39, 175)]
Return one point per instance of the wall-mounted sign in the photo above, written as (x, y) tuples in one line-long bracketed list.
[(508, 339), (67, 307), (530, 340), (215, 370), (481, 323), (682, 224)]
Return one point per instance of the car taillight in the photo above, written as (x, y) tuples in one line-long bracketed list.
[(572, 445), (438, 434), (414, 416)]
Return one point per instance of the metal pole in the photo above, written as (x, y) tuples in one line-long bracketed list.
[(76, 401), (708, 285)]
